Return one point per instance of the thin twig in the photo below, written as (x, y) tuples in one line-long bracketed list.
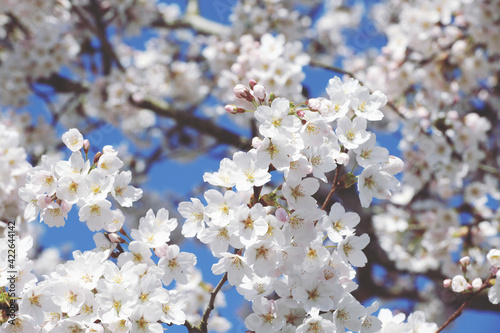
[(461, 308), (210, 306), (334, 187), (203, 126)]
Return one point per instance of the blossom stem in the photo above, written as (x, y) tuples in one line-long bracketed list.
[(334, 187), (457, 313), (210, 306)]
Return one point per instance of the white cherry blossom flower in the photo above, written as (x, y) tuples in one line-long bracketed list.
[(276, 119), (250, 224), (368, 105), (245, 174), (223, 176), (263, 257), (96, 213), (493, 257), (265, 317), (123, 193), (348, 313), (234, 265), (351, 249), (459, 283), (322, 159), (177, 265), (352, 133), (55, 215), (222, 208), (73, 139), (375, 182), (316, 323), (72, 188), (367, 153), (275, 151), (299, 193), (340, 224), (195, 217), (109, 161)]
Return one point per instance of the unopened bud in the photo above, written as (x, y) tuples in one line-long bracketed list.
[(447, 283), (271, 98), (301, 113), (97, 157), (477, 283), (115, 238), (86, 146), (314, 104), (252, 83), (240, 91), (161, 251), (232, 109), (343, 159), (465, 261), (259, 92)]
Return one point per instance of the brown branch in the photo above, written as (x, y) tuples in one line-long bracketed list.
[(210, 306), (203, 126), (334, 187), (108, 55), (461, 308), (62, 85)]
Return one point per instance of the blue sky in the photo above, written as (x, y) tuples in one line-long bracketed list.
[(173, 176)]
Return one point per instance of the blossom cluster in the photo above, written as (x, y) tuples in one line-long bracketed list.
[(14, 167), (438, 62), (283, 242), (52, 189), (463, 283), (108, 288)]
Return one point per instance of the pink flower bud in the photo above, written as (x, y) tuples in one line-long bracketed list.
[(477, 283), (240, 91), (447, 283), (232, 109), (281, 215), (259, 92), (465, 261), (86, 147), (343, 159), (314, 104), (256, 142), (97, 157), (300, 113), (115, 238), (161, 251), (252, 83)]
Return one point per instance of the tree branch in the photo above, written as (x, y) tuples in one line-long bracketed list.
[(210, 306), (203, 126), (461, 308)]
